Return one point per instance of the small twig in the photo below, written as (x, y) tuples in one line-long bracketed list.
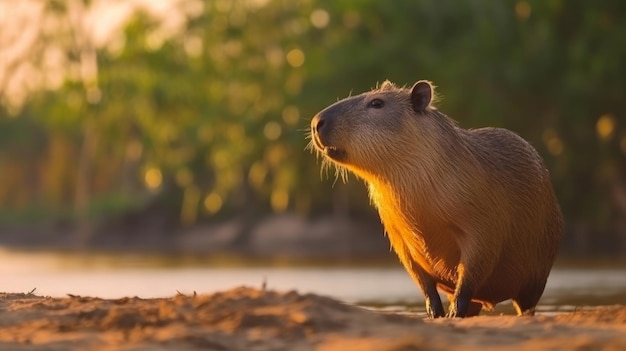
[(32, 291)]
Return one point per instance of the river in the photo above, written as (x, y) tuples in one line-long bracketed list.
[(57, 274)]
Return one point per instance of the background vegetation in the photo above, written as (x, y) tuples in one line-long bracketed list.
[(199, 114)]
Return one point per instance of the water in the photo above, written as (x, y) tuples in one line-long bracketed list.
[(57, 275)]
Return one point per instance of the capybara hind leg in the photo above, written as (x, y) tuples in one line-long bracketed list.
[(528, 298), (524, 308)]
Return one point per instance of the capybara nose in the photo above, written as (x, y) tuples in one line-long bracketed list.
[(317, 123), (321, 124)]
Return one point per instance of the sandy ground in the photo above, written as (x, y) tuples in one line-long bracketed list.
[(251, 319)]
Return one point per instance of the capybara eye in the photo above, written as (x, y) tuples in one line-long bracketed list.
[(376, 103)]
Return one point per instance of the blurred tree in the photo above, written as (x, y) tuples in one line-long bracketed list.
[(209, 118)]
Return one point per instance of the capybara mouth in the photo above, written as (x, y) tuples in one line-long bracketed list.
[(332, 152)]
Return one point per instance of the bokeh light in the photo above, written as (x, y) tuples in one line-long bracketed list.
[(295, 58), (153, 178)]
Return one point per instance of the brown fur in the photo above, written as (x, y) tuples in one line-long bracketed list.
[(465, 208)]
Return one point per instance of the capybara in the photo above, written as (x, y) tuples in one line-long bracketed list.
[(470, 212)]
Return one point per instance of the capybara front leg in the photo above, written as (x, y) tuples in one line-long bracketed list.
[(462, 298), (474, 307), (434, 307), (460, 304), (476, 265)]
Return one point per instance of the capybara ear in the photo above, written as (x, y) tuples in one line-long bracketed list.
[(421, 95)]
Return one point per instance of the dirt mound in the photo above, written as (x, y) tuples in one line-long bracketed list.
[(252, 319), (242, 318)]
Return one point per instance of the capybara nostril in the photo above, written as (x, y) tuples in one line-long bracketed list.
[(316, 123), (320, 124)]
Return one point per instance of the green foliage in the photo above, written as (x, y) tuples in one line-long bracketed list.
[(214, 115)]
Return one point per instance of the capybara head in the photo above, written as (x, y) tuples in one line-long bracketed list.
[(371, 132)]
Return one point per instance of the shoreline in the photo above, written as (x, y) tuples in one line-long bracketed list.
[(252, 319)]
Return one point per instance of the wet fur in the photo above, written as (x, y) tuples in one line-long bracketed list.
[(461, 207)]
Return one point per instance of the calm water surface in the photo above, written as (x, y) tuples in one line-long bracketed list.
[(55, 275)]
